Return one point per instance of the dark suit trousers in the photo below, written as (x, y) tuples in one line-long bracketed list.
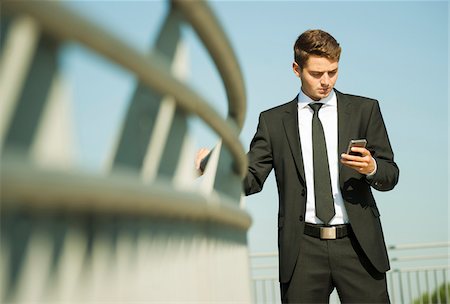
[(323, 265)]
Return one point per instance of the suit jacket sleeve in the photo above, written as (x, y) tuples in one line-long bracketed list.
[(259, 158), (386, 176)]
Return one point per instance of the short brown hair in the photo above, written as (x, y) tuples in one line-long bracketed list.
[(315, 42)]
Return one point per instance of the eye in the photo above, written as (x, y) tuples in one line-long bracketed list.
[(332, 73)]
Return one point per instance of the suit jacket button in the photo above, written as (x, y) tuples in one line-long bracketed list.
[(301, 218), (303, 192)]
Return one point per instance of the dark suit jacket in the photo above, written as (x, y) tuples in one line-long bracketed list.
[(276, 145)]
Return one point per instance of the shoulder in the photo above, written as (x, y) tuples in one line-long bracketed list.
[(282, 108), (354, 98)]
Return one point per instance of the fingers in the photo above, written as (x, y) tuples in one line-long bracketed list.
[(359, 152), (201, 154), (363, 163)]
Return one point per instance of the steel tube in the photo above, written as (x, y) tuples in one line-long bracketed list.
[(152, 69)]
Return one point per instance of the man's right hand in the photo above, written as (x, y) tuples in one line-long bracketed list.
[(201, 154)]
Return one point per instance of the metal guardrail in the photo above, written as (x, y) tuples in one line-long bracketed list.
[(32, 188), (410, 285), (76, 237), (152, 68), (409, 279), (213, 37)]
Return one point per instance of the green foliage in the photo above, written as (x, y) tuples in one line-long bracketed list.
[(434, 296)]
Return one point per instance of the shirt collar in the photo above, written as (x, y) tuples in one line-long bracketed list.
[(304, 100)]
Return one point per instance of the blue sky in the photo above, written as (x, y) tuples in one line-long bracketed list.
[(396, 52)]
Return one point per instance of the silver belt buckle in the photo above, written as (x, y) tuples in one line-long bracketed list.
[(328, 233)]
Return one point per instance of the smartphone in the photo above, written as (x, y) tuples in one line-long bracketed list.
[(356, 143)]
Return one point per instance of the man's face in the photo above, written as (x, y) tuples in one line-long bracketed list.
[(318, 76)]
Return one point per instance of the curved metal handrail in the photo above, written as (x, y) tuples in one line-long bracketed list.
[(24, 185), (204, 23), (151, 69)]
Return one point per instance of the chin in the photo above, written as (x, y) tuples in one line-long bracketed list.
[(319, 97), (323, 95)]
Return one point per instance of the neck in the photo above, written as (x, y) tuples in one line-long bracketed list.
[(313, 98)]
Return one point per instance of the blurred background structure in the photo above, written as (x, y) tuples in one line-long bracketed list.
[(99, 128), (144, 230), (420, 273)]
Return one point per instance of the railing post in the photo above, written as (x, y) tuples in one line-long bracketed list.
[(33, 97), (19, 38), (145, 109)]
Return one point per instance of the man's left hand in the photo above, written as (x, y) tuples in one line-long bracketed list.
[(364, 163)]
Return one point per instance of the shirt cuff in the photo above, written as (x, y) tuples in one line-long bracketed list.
[(374, 170)]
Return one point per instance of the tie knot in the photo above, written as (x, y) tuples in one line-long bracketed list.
[(316, 106)]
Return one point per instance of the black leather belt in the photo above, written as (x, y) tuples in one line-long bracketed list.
[(327, 232)]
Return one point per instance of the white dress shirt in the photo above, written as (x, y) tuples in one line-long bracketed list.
[(328, 117)]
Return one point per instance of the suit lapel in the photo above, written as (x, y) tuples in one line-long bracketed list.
[(344, 122), (290, 122)]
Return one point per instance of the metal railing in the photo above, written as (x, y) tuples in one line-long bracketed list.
[(150, 68), (409, 281), (142, 228)]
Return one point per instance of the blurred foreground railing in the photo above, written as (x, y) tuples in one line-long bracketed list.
[(144, 230), (418, 271)]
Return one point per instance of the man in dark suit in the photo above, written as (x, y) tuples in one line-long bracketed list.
[(329, 231)]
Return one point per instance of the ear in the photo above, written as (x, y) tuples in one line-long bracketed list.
[(296, 68)]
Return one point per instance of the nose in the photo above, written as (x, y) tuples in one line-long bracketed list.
[(325, 80)]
